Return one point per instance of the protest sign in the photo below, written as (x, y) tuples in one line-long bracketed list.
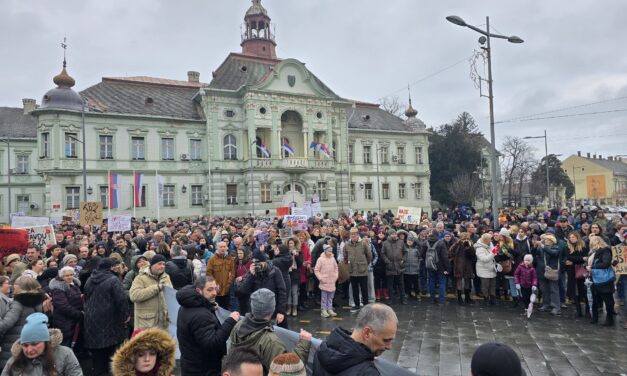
[(619, 253), (295, 222), (73, 214), (91, 213), (300, 211), (25, 221), (316, 209), (42, 236), (284, 210), (13, 240), (119, 223), (307, 209), (285, 233), (409, 215)]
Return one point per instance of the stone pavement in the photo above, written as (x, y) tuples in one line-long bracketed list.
[(440, 339)]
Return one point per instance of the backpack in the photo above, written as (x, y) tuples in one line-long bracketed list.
[(431, 257)]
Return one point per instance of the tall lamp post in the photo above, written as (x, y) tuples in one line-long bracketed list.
[(8, 142), (252, 189), (84, 162), (493, 157), (575, 183), (378, 184), (546, 163)]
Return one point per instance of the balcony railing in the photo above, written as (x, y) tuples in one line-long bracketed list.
[(294, 163)]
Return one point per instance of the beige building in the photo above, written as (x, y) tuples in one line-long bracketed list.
[(598, 180)]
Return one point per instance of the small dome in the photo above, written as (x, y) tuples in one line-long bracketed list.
[(256, 9), (63, 79), (411, 112), (62, 96)]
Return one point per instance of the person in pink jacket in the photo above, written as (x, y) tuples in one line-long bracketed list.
[(327, 272), (526, 279)]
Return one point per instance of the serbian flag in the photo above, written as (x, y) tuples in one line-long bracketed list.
[(114, 191), (314, 145), (322, 148), (264, 150), (288, 149), (138, 180)]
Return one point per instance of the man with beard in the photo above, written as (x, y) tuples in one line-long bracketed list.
[(221, 267), (201, 337)]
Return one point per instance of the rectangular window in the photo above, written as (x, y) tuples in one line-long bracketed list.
[(138, 148), (106, 147), (22, 164), (45, 145), (72, 197), (196, 195), (168, 195), (418, 155), (23, 203), (385, 191), (70, 145), (367, 156), (266, 190), (231, 194), (195, 151), (351, 153), (167, 149), (383, 155), (400, 152), (418, 191), (368, 191), (401, 191), (277, 191), (322, 191), (352, 192), (104, 196), (142, 204)]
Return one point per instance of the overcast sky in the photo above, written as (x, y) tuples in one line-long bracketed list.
[(574, 54)]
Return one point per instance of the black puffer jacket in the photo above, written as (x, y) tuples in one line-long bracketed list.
[(201, 338), (340, 355), (180, 271), (271, 279), (68, 306), (106, 310)]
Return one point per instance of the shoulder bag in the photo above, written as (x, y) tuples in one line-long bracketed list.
[(550, 273)]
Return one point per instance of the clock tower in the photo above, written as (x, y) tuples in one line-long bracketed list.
[(257, 38)]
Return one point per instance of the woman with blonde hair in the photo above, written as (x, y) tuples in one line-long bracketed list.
[(576, 271), (600, 262)]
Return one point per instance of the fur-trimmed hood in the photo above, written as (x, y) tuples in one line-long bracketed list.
[(59, 283), (56, 337), (30, 298), (123, 362)]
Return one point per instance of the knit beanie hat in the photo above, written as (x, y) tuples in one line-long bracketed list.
[(157, 258), (35, 329), (12, 257), (504, 232), (496, 359), (528, 257), (288, 364), (68, 257), (327, 248), (262, 303)]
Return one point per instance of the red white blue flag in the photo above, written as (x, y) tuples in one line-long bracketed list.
[(288, 149), (138, 180), (264, 150), (114, 191), (322, 148)]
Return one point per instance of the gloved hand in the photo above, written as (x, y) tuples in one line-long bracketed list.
[(517, 286), (534, 288)]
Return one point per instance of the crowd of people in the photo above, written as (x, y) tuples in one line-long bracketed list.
[(97, 289)]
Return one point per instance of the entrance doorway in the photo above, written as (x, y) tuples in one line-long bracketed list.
[(293, 195)]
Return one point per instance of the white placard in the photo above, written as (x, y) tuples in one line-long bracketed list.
[(119, 223), (316, 210), (42, 236), (24, 221), (409, 215)]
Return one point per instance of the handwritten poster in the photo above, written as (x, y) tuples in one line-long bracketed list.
[(409, 215), (13, 240), (119, 223), (42, 236), (91, 213), (295, 222)]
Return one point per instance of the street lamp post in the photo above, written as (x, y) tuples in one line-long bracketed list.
[(575, 184), (546, 163), (493, 158), (378, 184), (252, 190), (8, 142), (84, 161)]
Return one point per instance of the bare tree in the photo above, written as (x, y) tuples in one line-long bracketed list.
[(517, 158), (393, 105), (464, 188)]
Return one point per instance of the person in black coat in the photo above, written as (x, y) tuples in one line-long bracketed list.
[(106, 315), (440, 275), (68, 304), (601, 292), (201, 337), (265, 275)]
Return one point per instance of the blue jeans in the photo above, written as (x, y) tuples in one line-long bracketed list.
[(562, 286), (512, 287), (441, 278)]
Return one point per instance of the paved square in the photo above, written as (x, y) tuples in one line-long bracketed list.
[(440, 340)]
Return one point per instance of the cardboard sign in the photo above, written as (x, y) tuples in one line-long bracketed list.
[(409, 215), (286, 233), (119, 223), (284, 210), (25, 221), (13, 240), (295, 222), (42, 236), (619, 253), (91, 213)]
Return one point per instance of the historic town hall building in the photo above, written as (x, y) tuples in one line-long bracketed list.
[(265, 132)]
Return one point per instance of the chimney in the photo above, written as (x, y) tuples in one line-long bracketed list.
[(594, 156), (193, 76), (588, 155), (600, 156), (610, 158), (579, 154), (29, 105)]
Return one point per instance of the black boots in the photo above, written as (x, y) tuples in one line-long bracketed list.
[(595, 317), (468, 299), (515, 301), (609, 317), (578, 308), (492, 300), (485, 301), (460, 301)]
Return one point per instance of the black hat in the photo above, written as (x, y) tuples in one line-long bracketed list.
[(496, 359), (105, 264), (259, 256), (157, 258)]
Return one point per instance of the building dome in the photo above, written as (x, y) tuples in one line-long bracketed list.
[(256, 8), (62, 96), (412, 121)]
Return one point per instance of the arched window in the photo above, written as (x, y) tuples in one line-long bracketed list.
[(230, 148)]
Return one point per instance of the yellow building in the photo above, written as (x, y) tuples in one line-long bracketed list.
[(598, 180)]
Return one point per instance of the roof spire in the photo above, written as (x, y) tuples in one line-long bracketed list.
[(63, 79), (410, 112)]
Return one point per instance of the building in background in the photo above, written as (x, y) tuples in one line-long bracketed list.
[(264, 133), (597, 180)]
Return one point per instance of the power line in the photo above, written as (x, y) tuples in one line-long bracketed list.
[(560, 116), (522, 118)]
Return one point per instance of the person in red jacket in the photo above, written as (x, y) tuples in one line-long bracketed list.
[(526, 279)]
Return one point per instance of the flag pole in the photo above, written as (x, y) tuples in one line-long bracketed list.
[(134, 192), (157, 194), (109, 191)]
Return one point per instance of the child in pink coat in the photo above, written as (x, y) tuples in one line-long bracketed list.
[(327, 272)]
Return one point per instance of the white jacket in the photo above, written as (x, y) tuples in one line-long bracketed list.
[(485, 261)]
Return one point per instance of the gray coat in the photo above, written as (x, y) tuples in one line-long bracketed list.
[(11, 325), (413, 260), (358, 256), (65, 361), (394, 255)]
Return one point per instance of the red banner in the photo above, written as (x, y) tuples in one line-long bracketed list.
[(13, 240)]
